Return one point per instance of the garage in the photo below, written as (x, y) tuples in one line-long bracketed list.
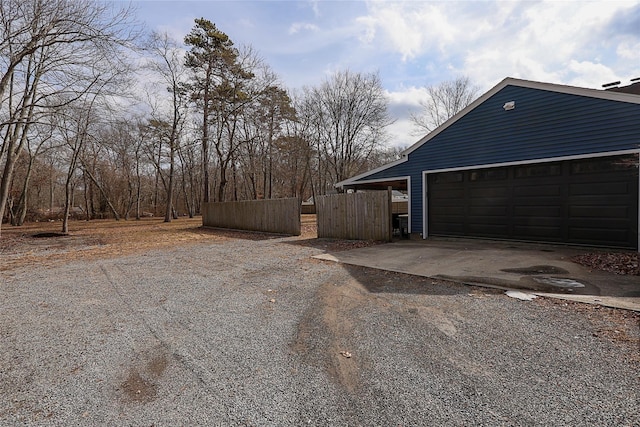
[(527, 161), (592, 201)]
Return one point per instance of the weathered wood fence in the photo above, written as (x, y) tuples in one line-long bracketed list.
[(355, 216), (272, 216)]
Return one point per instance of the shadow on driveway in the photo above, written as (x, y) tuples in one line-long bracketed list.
[(545, 270)]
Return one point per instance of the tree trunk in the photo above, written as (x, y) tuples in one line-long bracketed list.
[(169, 208), (7, 174), (15, 139), (104, 194), (67, 196), (86, 196), (206, 191), (138, 189), (23, 201)]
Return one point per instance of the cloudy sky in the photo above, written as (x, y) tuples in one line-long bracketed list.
[(413, 44)]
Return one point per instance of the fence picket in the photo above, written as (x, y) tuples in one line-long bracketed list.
[(355, 216), (271, 216)]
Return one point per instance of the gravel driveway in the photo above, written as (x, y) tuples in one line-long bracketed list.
[(244, 332)]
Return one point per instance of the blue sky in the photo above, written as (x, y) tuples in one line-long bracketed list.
[(413, 44)]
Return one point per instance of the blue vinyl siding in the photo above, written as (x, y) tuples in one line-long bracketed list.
[(544, 124)]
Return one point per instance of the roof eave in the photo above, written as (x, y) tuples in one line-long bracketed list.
[(353, 180)]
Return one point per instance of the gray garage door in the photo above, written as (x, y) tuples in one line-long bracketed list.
[(590, 202)]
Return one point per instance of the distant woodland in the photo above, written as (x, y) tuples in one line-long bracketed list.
[(99, 119)]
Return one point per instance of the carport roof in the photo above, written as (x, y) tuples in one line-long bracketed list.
[(396, 184)]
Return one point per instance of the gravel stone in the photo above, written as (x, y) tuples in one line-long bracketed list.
[(189, 336)]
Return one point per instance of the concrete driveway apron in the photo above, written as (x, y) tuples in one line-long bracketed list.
[(543, 270)]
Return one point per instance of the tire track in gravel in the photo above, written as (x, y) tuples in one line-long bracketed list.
[(325, 333), (141, 382)]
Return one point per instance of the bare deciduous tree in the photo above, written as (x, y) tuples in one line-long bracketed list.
[(348, 116), (167, 63), (443, 102), (263, 124), (50, 48)]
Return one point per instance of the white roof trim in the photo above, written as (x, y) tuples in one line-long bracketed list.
[(371, 181), (534, 161), (371, 172)]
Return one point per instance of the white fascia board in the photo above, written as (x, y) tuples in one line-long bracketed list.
[(373, 181), (356, 179), (510, 81), (534, 161), (575, 90)]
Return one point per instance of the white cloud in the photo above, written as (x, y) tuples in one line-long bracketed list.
[(315, 8), (298, 26), (402, 134), (401, 104), (368, 31), (629, 50), (587, 72), (409, 97), (557, 42), (408, 28), (492, 40)]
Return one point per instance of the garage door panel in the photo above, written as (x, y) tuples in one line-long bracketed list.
[(453, 216), (599, 189), (602, 201), (490, 201), (447, 228), (542, 171), (523, 204), (446, 203), (480, 220), (452, 212), (537, 211), (599, 223), (546, 233), (593, 202), (487, 230), (491, 192), (538, 221), (606, 236), (501, 211), (452, 194), (600, 212), (537, 190)]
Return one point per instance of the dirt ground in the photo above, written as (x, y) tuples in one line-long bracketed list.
[(44, 244)]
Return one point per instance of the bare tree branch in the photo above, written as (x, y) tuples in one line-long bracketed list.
[(443, 101)]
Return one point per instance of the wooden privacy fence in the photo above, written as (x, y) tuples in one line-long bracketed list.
[(355, 216), (272, 216)]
